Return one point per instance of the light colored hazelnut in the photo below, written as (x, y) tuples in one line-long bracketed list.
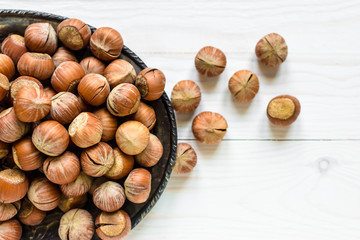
[(77, 188), (76, 224), (151, 154), (92, 65), (8, 210), (138, 185), (4, 86), (123, 164), (11, 128), (13, 185), (29, 214), (67, 76), (271, 50), (106, 43), (116, 225), (109, 196), (123, 100), (132, 137), (185, 96), (210, 61), (119, 71), (44, 194), (209, 127), (23, 81), (244, 85), (186, 159), (97, 160)]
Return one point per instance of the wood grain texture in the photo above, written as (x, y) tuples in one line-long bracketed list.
[(261, 182)]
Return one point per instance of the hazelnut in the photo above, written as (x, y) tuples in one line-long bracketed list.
[(138, 185), (146, 115), (209, 127), (76, 224), (63, 55), (185, 96), (123, 164), (37, 65), (80, 186), (68, 203), (65, 106), (62, 169), (74, 33), (13, 185), (4, 86), (10, 230), (26, 156), (85, 130), (4, 149), (271, 50), (14, 47), (41, 37), (132, 137), (244, 85), (44, 194), (94, 89), (49, 92), (51, 138), (151, 154), (92, 65), (111, 226), (119, 71), (7, 66), (8, 210), (31, 104), (123, 100), (96, 183), (11, 128), (109, 196), (283, 110), (106, 43), (109, 124), (210, 61), (29, 214), (97, 160), (23, 81), (186, 159), (151, 83), (67, 76)]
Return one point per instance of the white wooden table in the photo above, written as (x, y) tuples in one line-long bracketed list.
[(261, 182)]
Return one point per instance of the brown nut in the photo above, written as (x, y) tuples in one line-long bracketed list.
[(51, 138), (185, 96), (68, 203), (76, 224), (210, 61), (113, 226), (186, 159), (13, 185), (244, 85), (96, 183), (109, 196), (37, 65), (8, 210), (151, 83), (65, 106), (63, 55), (209, 127), (109, 124), (97, 160), (271, 50), (106, 43), (7, 66), (123, 164), (146, 115), (138, 185), (29, 214), (283, 110), (67, 76), (92, 65), (77, 188), (23, 81), (26, 156), (119, 71), (10, 230), (85, 130), (94, 89), (44, 194), (4, 149), (41, 37), (11, 128), (4, 86), (132, 137), (49, 92), (123, 100), (151, 154), (14, 47), (74, 33)]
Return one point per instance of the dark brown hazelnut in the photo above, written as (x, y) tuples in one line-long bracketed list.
[(79, 187), (68, 203), (94, 89)]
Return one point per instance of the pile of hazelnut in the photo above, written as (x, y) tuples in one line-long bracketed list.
[(68, 129)]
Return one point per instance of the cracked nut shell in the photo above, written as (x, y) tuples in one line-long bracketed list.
[(210, 61), (271, 50), (209, 127), (106, 43), (76, 224), (244, 85), (186, 159), (94, 89), (96, 161)]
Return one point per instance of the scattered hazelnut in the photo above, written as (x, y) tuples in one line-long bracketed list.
[(8, 210), (68, 203), (14, 47), (146, 115), (210, 61), (10, 230), (109, 123), (26, 156), (23, 81), (186, 159), (76, 224), (61, 55), (209, 127), (67, 76), (151, 154), (97, 160), (44, 194), (94, 89), (4, 86), (11, 128), (109, 196), (96, 183), (85, 130), (151, 83), (13, 185), (138, 185), (51, 138), (65, 106), (41, 37), (77, 188), (132, 137), (106, 43), (283, 110), (116, 225), (7, 66), (119, 71), (29, 214), (74, 33), (123, 164), (271, 50), (244, 85), (92, 65), (37, 65), (123, 100), (49, 92), (4, 149), (185, 96)]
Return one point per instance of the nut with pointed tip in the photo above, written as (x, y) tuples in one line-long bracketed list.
[(123, 100), (11, 128), (37, 65), (92, 65), (109, 123), (123, 164), (4, 86), (68, 203), (8, 210), (146, 115), (97, 160), (94, 89), (109, 196), (7, 66), (14, 46), (185, 96), (13, 185), (41, 37), (106, 43), (76, 224), (26, 156), (119, 71), (61, 55), (210, 61), (271, 50), (283, 110), (65, 106), (10, 230), (186, 159), (132, 137), (74, 33), (151, 154), (138, 185), (29, 214), (23, 81), (209, 127), (67, 76), (80, 186), (113, 226), (4, 149), (151, 83), (44, 194), (244, 85)]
